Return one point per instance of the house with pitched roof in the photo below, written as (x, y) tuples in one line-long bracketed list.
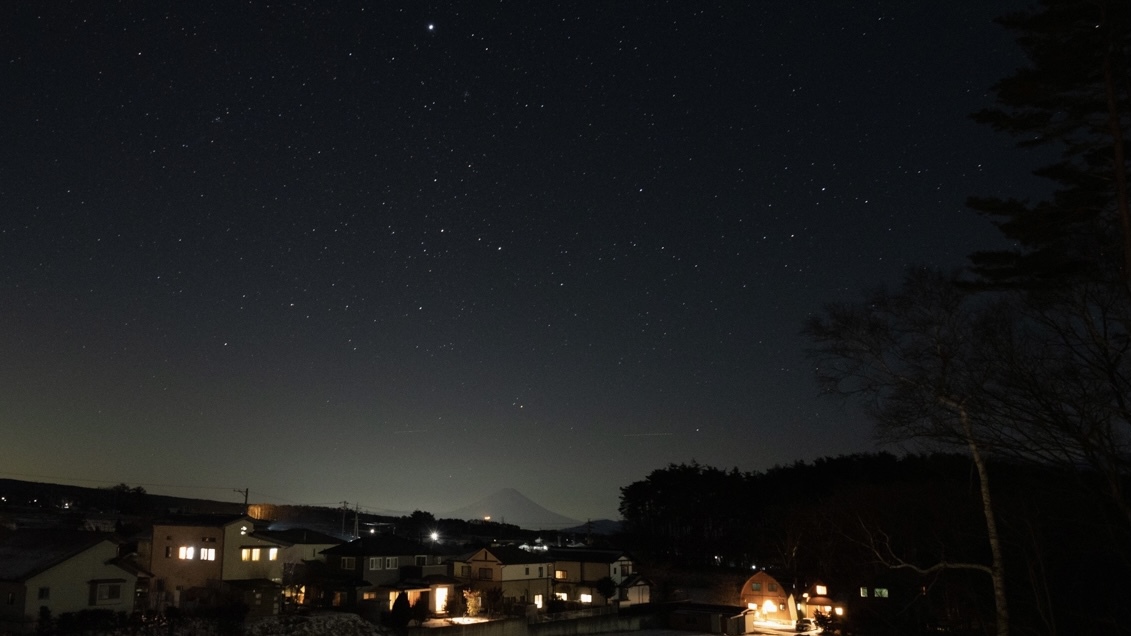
[(63, 571), (519, 575), (373, 570), (301, 554), (201, 560), (817, 600), (586, 575), (767, 598)]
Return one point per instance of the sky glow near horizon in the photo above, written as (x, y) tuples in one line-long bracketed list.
[(405, 256)]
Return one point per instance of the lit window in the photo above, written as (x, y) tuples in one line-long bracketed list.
[(881, 592), (186, 552), (560, 575), (208, 554), (391, 563), (249, 554), (538, 601), (561, 596), (822, 590), (273, 554), (863, 592), (369, 596), (586, 598)]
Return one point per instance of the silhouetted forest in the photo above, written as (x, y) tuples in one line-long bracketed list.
[(911, 524)]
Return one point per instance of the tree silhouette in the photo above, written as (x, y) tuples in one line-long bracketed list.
[(917, 361), (1073, 97)]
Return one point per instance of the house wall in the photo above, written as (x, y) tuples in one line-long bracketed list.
[(621, 569), (234, 568), (170, 572), (12, 616), (526, 581), (484, 560), (70, 584), (636, 595), (594, 571), (381, 575), (572, 571), (769, 601), (300, 552)]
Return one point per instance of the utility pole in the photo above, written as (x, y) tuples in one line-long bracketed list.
[(243, 492), (345, 509), (356, 529)]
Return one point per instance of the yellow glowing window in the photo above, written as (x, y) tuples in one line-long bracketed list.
[(273, 554), (822, 590), (208, 554), (561, 596), (186, 552), (586, 598), (249, 554), (560, 574)]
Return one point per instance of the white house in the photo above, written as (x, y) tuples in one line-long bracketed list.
[(63, 571)]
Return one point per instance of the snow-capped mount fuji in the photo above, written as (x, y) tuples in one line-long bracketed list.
[(510, 506)]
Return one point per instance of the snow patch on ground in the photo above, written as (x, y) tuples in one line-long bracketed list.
[(314, 625)]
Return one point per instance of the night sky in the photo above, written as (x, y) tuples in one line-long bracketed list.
[(404, 254)]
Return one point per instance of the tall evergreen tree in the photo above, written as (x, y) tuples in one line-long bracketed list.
[(1076, 97)]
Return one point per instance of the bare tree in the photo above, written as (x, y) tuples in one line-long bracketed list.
[(916, 360)]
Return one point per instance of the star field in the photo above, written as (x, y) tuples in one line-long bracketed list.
[(406, 254)]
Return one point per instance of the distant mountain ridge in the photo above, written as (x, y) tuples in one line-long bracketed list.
[(505, 506), (510, 506)]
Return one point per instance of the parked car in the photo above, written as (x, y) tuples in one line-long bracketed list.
[(806, 625)]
